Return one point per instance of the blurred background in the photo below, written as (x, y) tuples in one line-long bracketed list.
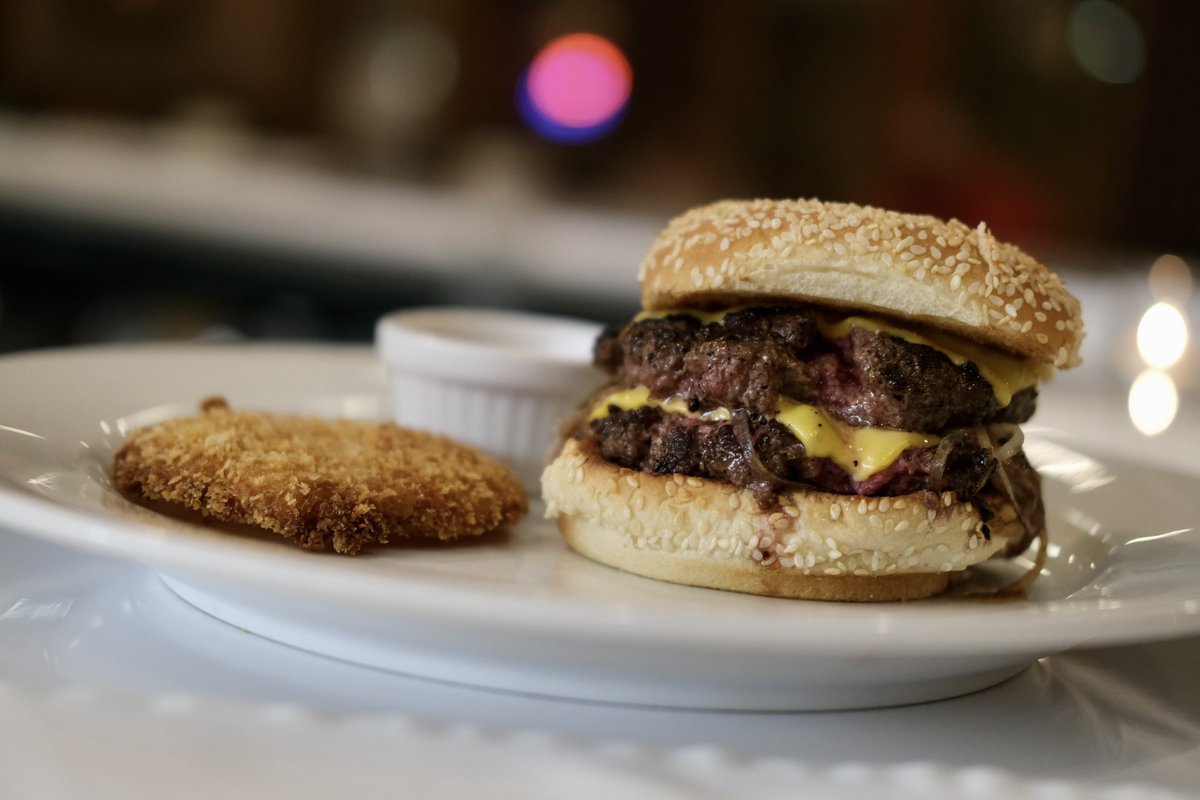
[(219, 169)]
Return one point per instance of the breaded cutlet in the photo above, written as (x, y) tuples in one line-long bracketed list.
[(342, 484)]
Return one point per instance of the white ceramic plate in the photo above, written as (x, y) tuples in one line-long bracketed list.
[(520, 612)]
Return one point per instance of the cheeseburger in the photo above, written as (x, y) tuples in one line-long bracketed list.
[(819, 400)]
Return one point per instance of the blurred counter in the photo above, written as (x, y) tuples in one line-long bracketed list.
[(231, 190), (286, 215)]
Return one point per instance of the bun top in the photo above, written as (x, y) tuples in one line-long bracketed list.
[(934, 273)]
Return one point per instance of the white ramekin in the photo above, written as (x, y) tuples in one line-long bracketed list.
[(499, 380)]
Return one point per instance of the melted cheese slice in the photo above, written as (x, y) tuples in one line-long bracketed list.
[(861, 452), (1007, 374), (705, 317), (639, 397)]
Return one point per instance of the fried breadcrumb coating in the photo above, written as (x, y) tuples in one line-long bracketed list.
[(340, 485)]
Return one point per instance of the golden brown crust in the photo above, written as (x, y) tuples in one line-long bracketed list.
[(912, 267), (324, 484), (817, 545)]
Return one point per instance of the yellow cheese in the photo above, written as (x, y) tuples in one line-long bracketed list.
[(639, 397), (860, 451), (705, 317)]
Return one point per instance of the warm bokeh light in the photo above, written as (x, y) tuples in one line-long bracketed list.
[(1162, 335), (576, 88), (1107, 41), (1153, 402), (1170, 279)]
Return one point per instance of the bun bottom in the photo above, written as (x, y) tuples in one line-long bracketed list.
[(816, 545), (599, 544)]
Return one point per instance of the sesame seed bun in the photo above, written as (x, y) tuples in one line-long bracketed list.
[(917, 268), (818, 545)]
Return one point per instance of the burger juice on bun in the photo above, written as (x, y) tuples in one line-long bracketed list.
[(819, 400)]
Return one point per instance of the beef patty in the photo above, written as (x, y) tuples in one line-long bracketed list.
[(760, 453), (758, 355)]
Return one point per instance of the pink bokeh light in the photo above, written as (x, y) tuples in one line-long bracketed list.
[(579, 80)]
